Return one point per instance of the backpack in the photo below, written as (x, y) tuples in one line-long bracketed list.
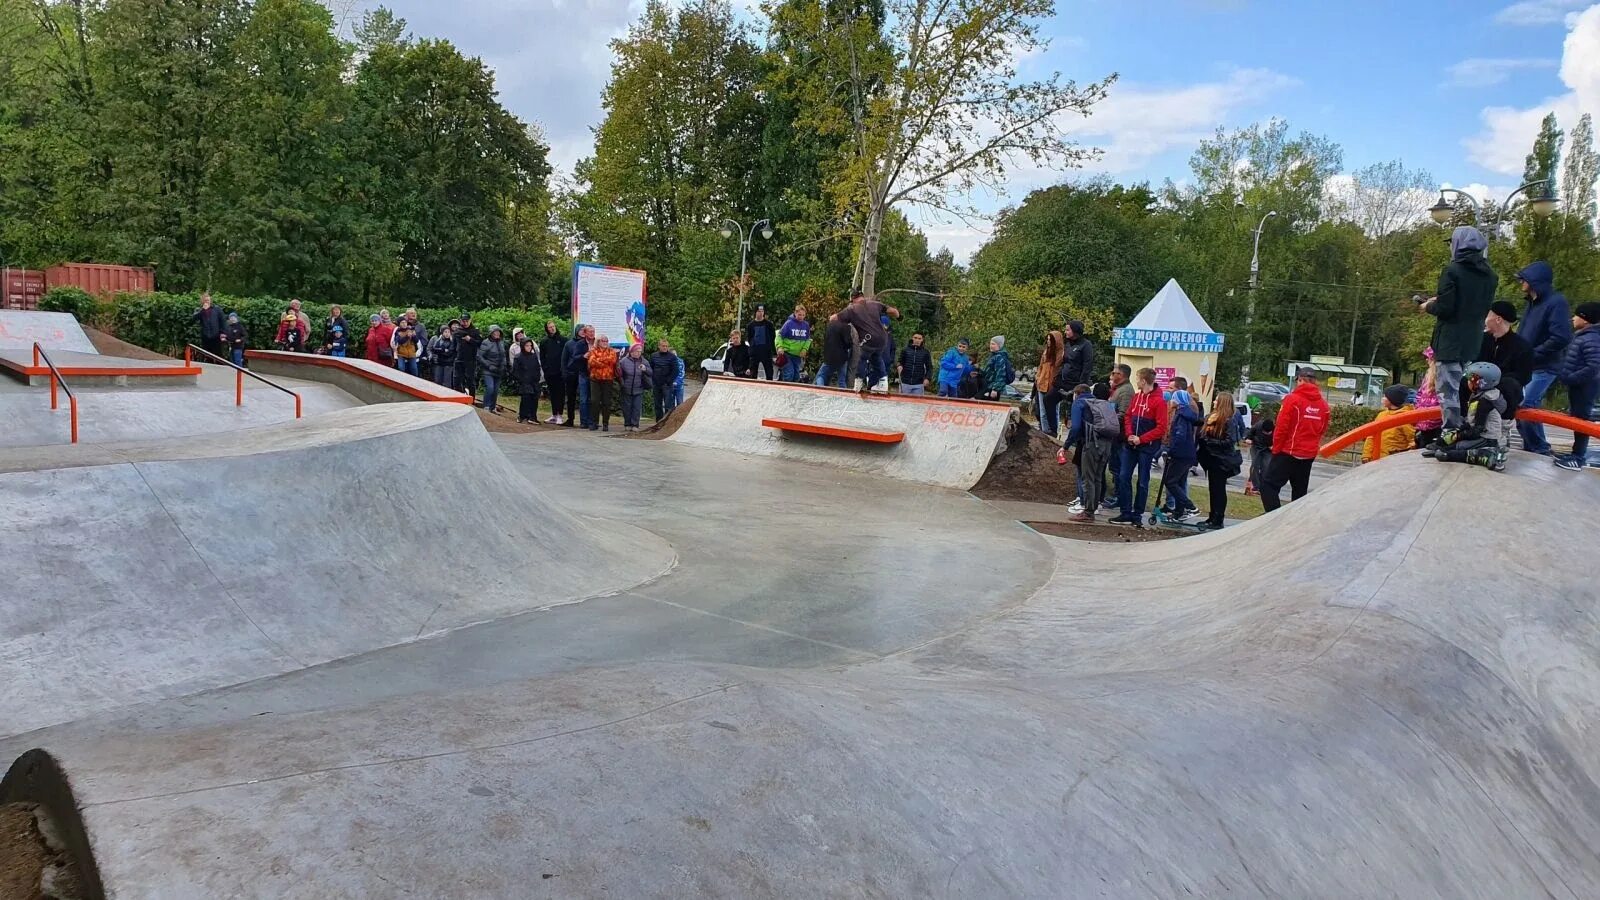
[(1103, 419)]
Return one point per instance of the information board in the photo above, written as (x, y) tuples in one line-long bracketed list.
[(611, 299)]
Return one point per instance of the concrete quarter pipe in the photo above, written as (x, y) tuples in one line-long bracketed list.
[(1371, 693)]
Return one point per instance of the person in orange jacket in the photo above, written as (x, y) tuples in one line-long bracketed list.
[(1298, 439), (602, 381), (1396, 440)]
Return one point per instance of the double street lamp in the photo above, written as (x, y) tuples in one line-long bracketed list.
[(731, 228), (1250, 310), (1543, 206)]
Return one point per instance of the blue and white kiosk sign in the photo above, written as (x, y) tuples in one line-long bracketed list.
[(1155, 339)]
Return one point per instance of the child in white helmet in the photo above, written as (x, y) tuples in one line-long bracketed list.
[(1485, 438)]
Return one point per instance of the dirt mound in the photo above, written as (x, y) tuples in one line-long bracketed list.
[(31, 868), (668, 427), (1103, 534), (1027, 470), (112, 346)]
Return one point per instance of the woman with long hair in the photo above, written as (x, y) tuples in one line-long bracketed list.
[(1219, 453), (1047, 397)]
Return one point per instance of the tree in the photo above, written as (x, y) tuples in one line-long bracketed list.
[(1386, 197), (1544, 161), (924, 102), (1583, 168)]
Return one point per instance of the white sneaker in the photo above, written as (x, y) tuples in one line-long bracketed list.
[(553, 420), (1076, 507), (861, 386)]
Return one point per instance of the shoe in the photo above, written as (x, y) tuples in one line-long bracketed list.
[(606, 427), (1570, 463), (1125, 520), (593, 427), (1210, 525), (1112, 503), (1081, 518), (1075, 507), (553, 420), (1182, 515)]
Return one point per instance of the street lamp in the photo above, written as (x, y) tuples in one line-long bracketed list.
[(1255, 258), (1250, 310), (731, 228), (1543, 206)]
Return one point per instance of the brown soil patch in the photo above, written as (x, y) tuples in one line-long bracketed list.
[(111, 346), (506, 423), (665, 429), (1104, 534), (1027, 470), (27, 861)]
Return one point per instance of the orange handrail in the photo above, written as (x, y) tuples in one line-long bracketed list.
[(1416, 416), (239, 372), (55, 379)]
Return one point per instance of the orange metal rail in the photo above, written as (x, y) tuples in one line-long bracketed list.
[(239, 372), (56, 379), (1417, 416)]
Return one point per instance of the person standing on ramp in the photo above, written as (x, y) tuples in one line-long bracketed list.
[(867, 317)]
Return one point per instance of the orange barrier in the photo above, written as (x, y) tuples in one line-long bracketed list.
[(390, 378), (827, 429), (56, 379), (1416, 416)]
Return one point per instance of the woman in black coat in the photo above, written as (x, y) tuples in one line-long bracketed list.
[(525, 374), (556, 380)]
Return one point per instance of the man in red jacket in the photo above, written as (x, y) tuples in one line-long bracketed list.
[(1301, 423), (1144, 425)]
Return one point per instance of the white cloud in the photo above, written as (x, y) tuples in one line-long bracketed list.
[(1138, 123), (1508, 132), (1539, 12), (1481, 72)]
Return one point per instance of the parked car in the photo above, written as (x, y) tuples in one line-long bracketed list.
[(716, 365), (1267, 391)]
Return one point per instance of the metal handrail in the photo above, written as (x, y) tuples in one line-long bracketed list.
[(238, 378), (55, 379)]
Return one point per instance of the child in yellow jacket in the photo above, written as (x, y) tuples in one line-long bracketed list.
[(1395, 440)]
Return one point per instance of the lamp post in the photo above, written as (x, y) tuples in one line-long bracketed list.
[(1250, 310), (1543, 206), (731, 228)]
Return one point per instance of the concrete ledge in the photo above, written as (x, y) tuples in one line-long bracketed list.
[(367, 381)]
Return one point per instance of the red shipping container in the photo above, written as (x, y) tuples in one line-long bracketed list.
[(21, 288), (101, 280)]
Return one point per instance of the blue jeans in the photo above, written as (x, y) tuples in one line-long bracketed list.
[(949, 390), (408, 366), (833, 376), (663, 401), (585, 411), (1533, 439), (1175, 478), (1582, 398), (1049, 413), (238, 356), (1140, 457), (872, 368), (792, 364), (491, 391)]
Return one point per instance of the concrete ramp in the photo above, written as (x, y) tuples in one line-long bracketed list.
[(19, 329), (947, 442), (142, 571)]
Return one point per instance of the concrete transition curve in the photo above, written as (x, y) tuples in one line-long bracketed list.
[(1387, 689), (142, 571), (947, 442)]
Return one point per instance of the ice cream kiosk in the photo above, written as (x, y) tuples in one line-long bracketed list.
[(1170, 336)]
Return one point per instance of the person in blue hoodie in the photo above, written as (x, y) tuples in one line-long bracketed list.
[(1547, 327), (1182, 453), (953, 368), (1580, 372)]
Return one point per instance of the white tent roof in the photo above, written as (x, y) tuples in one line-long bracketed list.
[(1170, 310)]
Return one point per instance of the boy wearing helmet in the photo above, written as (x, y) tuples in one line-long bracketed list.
[(1484, 437)]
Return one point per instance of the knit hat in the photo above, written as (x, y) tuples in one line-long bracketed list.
[(1589, 312), (374, 320), (1504, 309), (1397, 395), (999, 339), (1181, 397), (1101, 390)]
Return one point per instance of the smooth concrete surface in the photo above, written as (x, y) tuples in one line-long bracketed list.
[(118, 416), (852, 688), (145, 571), (363, 379), (21, 329), (948, 443)]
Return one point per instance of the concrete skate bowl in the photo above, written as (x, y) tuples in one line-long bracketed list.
[(1367, 694), (142, 571), (947, 442)]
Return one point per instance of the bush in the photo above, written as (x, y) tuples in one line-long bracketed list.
[(82, 304), (1340, 418)]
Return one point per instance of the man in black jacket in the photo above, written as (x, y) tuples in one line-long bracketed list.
[(838, 342), (664, 365), (551, 349), (763, 341), (1504, 347), (1466, 289), (916, 367), (575, 366), (1078, 365), (212, 325), (468, 340)]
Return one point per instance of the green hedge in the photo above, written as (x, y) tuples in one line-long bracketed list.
[(165, 322)]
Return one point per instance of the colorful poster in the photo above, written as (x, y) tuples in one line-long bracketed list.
[(611, 299), (1164, 376)]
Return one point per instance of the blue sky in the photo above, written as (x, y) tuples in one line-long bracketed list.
[(1457, 89)]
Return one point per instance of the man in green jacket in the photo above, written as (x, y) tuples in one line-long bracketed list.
[(1466, 290)]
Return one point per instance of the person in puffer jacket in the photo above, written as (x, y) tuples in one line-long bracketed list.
[(1182, 453), (526, 373), (1580, 372), (1296, 441), (634, 377), (1547, 327)]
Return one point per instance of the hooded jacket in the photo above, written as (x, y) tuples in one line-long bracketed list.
[(794, 338), (1580, 364), (837, 343), (1146, 417), (634, 375), (1547, 323), (494, 357), (551, 349), (953, 367), (1396, 440), (1181, 445), (526, 371), (1466, 289), (575, 358), (1078, 367), (998, 372), (1302, 421), (442, 350)]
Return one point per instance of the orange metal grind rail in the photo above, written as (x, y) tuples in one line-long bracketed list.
[(826, 429), (1417, 416)]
